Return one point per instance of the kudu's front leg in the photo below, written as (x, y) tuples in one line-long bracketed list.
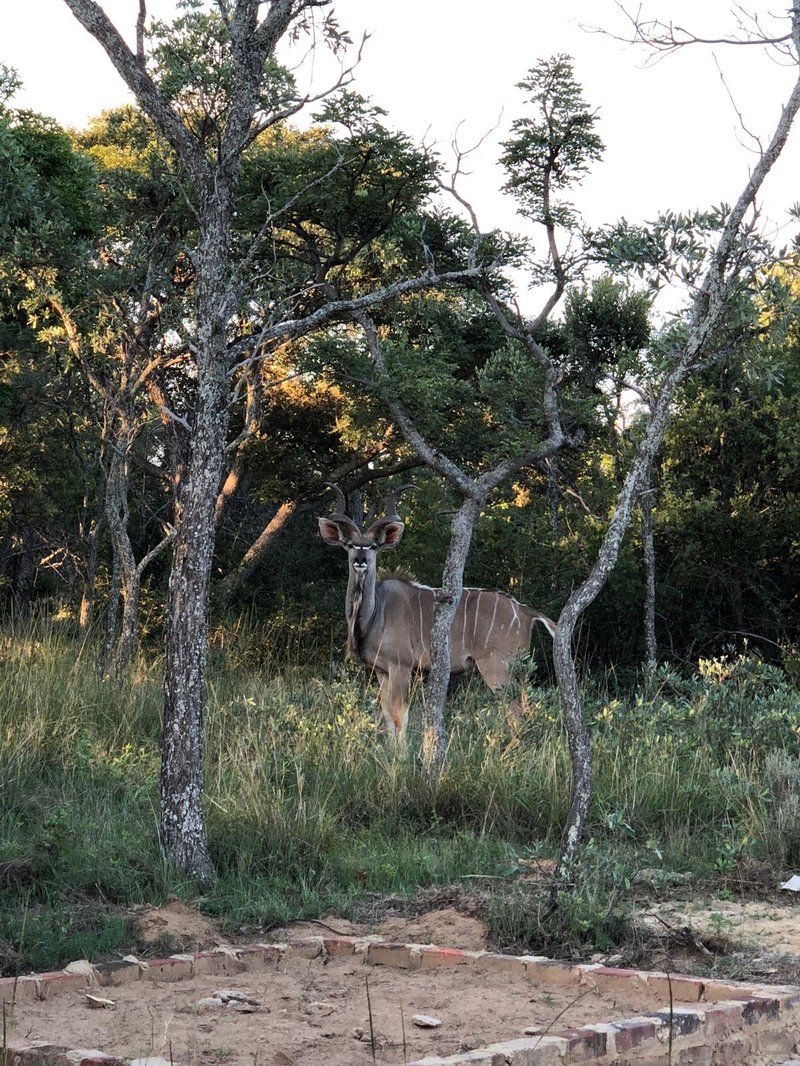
[(394, 705)]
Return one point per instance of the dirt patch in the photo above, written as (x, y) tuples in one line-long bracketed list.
[(443, 926), (764, 924), (312, 1012), (447, 926), (177, 925)]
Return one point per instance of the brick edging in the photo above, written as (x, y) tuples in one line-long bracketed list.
[(702, 1010)]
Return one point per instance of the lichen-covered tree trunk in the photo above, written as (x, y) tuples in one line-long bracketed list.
[(112, 611), (447, 601), (710, 302), (649, 562), (183, 835), (117, 485)]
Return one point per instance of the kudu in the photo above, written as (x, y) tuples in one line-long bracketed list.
[(389, 622)]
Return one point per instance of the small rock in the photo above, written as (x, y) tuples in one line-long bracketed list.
[(84, 968), (137, 962), (426, 1021), (209, 1003), (319, 1008), (98, 1002), (358, 1033), (233, 995), (532, 1030)]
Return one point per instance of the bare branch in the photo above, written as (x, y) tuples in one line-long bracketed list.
[(133, 72), (140, 22), (154, 553), (298, 327), (435, 459)]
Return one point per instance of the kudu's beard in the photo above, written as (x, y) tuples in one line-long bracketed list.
[(352, 621)]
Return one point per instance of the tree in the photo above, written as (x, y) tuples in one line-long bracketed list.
[(547, 153), (211, 88), (48, 216), (731, 258)]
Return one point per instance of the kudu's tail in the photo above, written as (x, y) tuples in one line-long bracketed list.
[(537, 616)]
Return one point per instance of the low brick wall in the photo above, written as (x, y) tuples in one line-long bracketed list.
[(704, 1022)]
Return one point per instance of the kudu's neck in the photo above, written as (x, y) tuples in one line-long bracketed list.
[(360, 605)]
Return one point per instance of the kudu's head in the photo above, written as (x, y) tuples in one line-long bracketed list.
[(362, 545)]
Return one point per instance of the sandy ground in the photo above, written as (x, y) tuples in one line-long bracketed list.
[(769, 926), (177, 924), (312, 1012), (446, 927)]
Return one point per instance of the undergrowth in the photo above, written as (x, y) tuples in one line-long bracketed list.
[(307, 811)]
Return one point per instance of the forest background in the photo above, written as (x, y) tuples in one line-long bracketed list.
[(305, 808)]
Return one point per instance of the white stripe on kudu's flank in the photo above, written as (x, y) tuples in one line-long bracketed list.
[(516, 612), (491, 627), (475, 619), (421, 625), (464, 599)]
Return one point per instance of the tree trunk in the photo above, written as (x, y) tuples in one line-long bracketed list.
[(112, 611), (251, 558), (126, 641), (554, 505), (649, 561), (447, 600), (117, 517), (183, 835), (581, 597), (579, 749), (86, 613)]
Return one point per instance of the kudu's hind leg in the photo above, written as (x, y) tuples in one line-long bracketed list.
[(496, 674), (394, 705)]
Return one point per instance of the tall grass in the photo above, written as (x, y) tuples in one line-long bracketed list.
[(306, 808)]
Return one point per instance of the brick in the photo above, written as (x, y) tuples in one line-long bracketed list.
[(719, 991), (431, 958), (556, 974), (682, 987), (92, 1057), (584, 1044), (734, 1052), (215, 962), (386, 954), (481, 1057), (529, 1051), (119, 972), (611, 979), (309, 947), (338, 945), (361, 943), (168, 970), (696, 1056), (271, 954), (37, 1053), (50, 984), (633, 1032), (760, 1008), (20, 989), (495, 963), (724, 1016), (681, 1022)]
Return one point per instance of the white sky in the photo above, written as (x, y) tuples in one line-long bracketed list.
[(670, 130)]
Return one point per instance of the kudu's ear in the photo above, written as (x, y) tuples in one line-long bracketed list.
[(331, 532), (387, 534)]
